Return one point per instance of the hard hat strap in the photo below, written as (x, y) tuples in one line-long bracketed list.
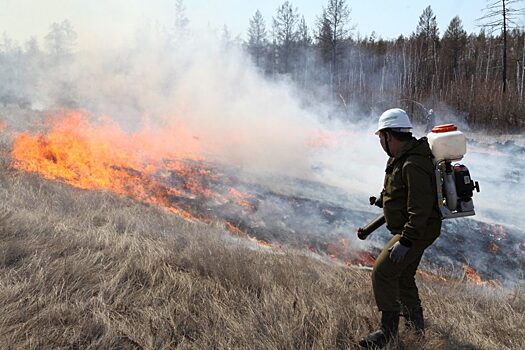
[(386, 144)]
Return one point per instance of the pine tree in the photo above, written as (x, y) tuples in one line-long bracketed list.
[(181, 22), (257, 41), (324, 37), (333, 31), (304, 52), (427, 40), (285, 34), (303, 33), (453, 44), (61, 41)]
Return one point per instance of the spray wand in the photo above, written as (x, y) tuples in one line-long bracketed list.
[(364, 232)]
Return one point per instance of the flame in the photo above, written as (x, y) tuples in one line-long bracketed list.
[(365, 258), (432, 275), (238, 232), (104, 157), (472, 276), (162, 166), (153, 165), (234, 229), (241, 199), (493, 247), (341, 250), (261, 243)]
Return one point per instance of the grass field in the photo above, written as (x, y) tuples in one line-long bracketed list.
[(88, 270)]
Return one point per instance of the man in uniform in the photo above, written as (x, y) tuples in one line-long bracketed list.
[(409, 202)]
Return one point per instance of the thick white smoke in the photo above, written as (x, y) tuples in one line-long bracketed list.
[(243, 118), (212, 88)]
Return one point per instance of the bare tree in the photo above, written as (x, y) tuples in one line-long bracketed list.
[(501, 15), (303, 33)]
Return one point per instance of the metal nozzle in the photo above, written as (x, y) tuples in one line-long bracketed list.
[(364, 232)]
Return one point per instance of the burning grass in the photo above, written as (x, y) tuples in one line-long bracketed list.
[(172, 167), (86, 269)]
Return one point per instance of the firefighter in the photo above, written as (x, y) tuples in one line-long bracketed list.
[(431, 121), (409, 202)]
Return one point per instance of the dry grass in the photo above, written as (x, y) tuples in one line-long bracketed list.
[(87, 270)]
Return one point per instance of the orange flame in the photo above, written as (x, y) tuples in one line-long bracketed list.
[(241, 199), (472, 275), (432, 275), (493, 247), (238, 232), (342, 251), (102, 156), (234, 229), (365, 258)]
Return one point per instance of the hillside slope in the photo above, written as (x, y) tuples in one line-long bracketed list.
[(85, 269)]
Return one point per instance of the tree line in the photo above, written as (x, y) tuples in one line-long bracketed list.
[(480, 76)]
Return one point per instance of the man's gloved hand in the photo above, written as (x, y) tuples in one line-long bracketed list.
[(398, 252), (376, 201)]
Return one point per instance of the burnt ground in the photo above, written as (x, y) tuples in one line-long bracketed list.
[(328, 227)]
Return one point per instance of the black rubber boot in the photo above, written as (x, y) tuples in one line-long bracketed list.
[(381, 337), (415, 321)]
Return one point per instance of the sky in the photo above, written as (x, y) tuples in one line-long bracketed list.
[(94, 19)]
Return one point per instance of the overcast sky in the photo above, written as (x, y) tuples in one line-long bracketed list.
[(95, 19)]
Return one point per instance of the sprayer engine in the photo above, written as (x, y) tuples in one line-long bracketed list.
[(455, 187), (465, 186), (455, 190)]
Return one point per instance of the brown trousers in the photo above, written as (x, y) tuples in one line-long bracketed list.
[(394, 284)]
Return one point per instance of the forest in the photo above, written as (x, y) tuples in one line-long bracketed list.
[(477, 77)]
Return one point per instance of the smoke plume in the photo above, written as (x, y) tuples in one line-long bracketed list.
[(240, 117)]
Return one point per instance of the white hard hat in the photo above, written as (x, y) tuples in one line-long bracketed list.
[(394, 118)]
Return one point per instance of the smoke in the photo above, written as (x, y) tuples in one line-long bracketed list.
[(499, 169), (212, 88), (260, 126)]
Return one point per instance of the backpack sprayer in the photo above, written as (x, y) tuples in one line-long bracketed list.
[(455, 187)]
